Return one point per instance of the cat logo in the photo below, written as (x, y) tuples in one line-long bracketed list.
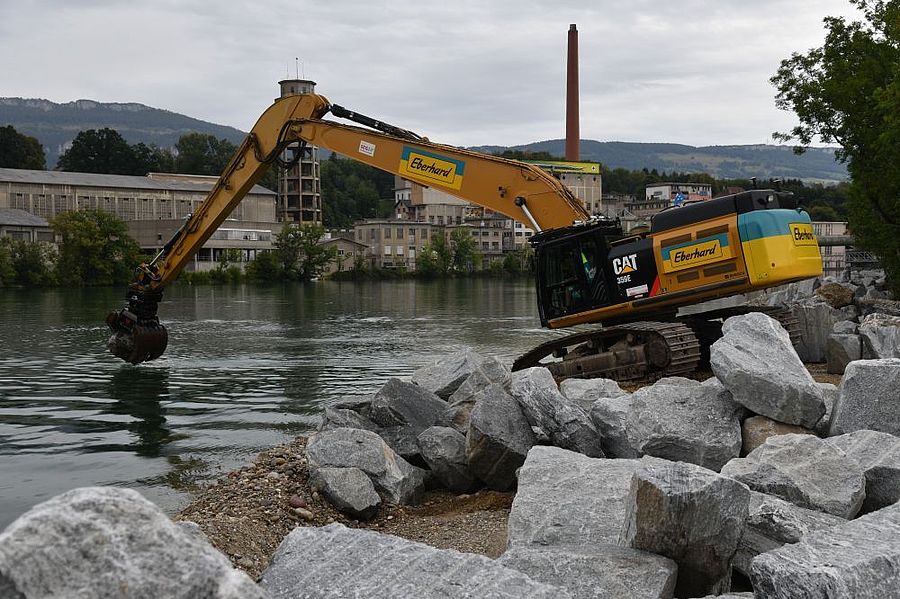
[(625, 264)]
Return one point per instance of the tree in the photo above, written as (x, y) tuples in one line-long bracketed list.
[(466, 257), (102, 151), (20, 151), (203, 154), (436, 256), (95, 248), (263, 268), (848, 92), (299, 253), (7, 271)]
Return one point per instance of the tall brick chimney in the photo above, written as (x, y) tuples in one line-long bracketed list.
[(573, 134)]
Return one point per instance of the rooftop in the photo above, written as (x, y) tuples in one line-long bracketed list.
[(156, 183), (19, 218)]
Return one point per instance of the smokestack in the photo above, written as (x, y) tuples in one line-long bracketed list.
[(573, 134)]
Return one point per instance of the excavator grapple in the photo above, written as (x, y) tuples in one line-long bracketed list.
[(137, 335)]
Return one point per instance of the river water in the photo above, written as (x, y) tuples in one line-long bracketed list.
[(247, 367)]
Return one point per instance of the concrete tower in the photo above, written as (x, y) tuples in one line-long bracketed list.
[(300, 189)]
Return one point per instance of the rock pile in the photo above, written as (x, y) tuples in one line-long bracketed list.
[(843, 320), (644, 494)]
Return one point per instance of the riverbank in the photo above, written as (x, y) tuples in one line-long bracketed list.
[(248, 512)]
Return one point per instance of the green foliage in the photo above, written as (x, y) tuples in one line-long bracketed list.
[(7, 272), (519, 262), (435, 257), (465, 256), (20, 151), (105, 151), (264, 268), (202, 154), (848, 92), (26, 263), (352, 191), (299, 254), (525, 155), (95, 248)]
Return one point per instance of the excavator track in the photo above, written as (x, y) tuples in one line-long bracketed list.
[(640, 352), (707, 326)]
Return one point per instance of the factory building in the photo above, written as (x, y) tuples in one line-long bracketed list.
[(153, 207)]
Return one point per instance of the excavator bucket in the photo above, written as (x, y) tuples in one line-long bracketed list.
[(136, 343)]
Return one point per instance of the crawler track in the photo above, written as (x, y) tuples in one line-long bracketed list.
[(634, 353)]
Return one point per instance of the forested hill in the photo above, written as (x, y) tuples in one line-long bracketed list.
[(722, 162), (55, 125)]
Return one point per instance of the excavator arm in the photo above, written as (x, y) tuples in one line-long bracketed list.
[(521, 191)]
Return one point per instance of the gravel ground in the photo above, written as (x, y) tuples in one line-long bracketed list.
[(248, 512)]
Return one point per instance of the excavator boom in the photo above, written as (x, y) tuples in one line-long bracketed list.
[(521, 191)]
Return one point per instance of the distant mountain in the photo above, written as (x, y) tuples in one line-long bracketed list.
[(724, 162), (56, 125)]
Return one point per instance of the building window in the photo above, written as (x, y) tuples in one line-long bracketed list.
[(387, 233), (387, 250)]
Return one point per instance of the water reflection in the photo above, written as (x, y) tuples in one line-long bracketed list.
[(139, 393)]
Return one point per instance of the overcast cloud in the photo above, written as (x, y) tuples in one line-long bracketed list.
[(465, 73)]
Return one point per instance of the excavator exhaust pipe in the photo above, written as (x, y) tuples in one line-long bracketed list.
[(137, 335)]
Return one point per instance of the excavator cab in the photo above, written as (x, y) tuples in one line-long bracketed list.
[(573, 272)]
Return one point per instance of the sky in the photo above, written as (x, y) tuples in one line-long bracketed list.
[(463, 72)]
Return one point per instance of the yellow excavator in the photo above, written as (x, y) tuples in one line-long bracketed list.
[(587, 271)]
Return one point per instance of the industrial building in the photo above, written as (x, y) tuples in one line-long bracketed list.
[(153, 207)]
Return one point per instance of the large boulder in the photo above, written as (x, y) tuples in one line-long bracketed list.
[(610, 416), (836, 295), (444, 376), (600, 571), (399, 403), (566, 498), (756, 429), (498, 438), (840, 350), (805, 471), (756, 362), (110, 542), (880, 336), (830, 394), (682, 420), (690, 515), (403, 410), (878, 454), (400, 481), (815, 319), (565, 423), (772, 522), (444, 450), (345, 418), (859, 559), (349, 490), (793, 293), (585, 392), (337, 562), (462, 400), (869, 398)]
